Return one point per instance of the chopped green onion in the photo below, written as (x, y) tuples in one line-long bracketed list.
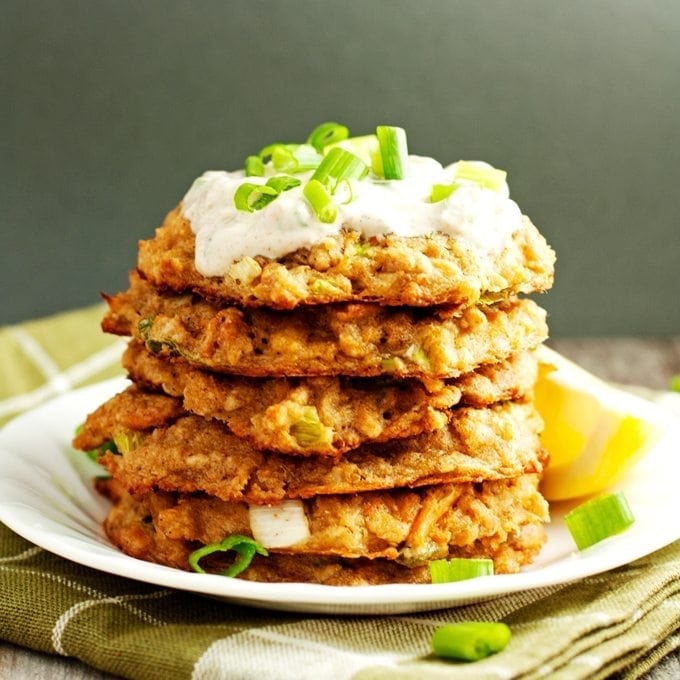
[(127, 441), (321, 201), (308, 430), (365, 147), (291, 157), (442, 191), (674, 383), (459, 569), (251, 197), (391, 364), (393, 151), (363, 249), (338, 165), (439, 571), (486, 176), (281, 183), (335, 172), (107, 446), (599, 518), (245, 270), (254, 167), (245, 546), (323, 287), (155, 346), (419, 356), (280, 525), (307, 158), (278, 150), (470, 641), (283, 159), (144, 327), (344, 192), (327, 133)]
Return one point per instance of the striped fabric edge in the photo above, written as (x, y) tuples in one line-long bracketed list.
[(101, 363)]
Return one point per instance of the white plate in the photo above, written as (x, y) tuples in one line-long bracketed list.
[(46, 496)]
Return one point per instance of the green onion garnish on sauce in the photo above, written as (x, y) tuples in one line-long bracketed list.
[(470, 641), (254, 167), (337, 169), (293, 158), (321, 201), (327, 133), (365, 147), (281, 183), (244, 546), (459, 569), (674, 383), (599, 518), (337, 165), (393, 151), (250, 197), (487, 177), (442, 191)]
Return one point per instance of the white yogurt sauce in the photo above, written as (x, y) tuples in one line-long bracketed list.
[(484, 219)]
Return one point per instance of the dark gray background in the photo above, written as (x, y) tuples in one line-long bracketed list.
[(108, 110)]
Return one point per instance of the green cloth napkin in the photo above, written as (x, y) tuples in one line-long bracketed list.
[(622, 621)]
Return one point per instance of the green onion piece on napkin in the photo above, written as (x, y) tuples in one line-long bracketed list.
[(470, 641)]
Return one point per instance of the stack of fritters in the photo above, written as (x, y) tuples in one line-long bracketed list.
[(380, 388)]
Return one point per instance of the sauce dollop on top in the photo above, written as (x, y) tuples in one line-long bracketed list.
[(483, 219)]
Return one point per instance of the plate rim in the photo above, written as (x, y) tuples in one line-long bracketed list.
[(309, 597)]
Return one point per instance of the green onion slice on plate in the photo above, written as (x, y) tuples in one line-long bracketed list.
[(598, 518), (244, 546), (470, 641), (459, 569)]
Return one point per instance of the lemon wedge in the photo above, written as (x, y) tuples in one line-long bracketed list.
[(593, 431)]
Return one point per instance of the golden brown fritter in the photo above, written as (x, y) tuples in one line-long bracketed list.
[(392, 270), (500, 520), (194, 454), (511, 379), (346, 339), (132, 410), (326, 415), (130, 527)]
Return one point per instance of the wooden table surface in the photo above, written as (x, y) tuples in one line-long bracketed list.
[(649, 362)]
